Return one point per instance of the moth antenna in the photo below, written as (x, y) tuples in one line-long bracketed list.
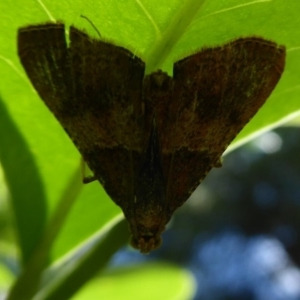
[(84, 17)]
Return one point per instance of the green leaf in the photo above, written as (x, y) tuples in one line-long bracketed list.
[(24, 181), (140, 282), (37, 156), (67, 279)]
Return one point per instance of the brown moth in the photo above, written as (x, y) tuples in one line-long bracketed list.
[(149, 139)]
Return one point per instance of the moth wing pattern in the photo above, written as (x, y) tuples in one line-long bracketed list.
[(108, 85), (43, 53), (97, 98), (215, 93)]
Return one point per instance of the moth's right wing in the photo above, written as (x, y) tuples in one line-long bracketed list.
[(216, 91)]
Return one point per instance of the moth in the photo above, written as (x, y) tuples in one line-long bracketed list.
[(149, 139)]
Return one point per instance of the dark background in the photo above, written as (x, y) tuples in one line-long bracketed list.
[(239, 232)]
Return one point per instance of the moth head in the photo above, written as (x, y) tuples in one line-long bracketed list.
[(157, 83), (146, 244)]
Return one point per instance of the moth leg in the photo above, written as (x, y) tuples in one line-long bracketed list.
[(89, 179), (86, 179), (219, 163)]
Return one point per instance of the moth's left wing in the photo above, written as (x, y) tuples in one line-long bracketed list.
[(109, 118), (44, 55), (215, 93), (94, 89)]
